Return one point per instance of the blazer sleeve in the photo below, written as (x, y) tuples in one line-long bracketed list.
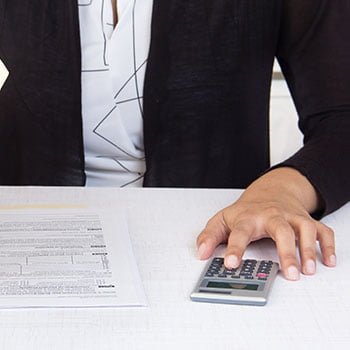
[(314, 53)]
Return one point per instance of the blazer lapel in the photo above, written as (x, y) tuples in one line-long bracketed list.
[(161, 24)]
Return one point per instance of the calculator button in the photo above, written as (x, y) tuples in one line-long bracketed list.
[(214, 266), (261, 275), (214, 270), (248, 277), (264, 265), (264, 268), (247, 265), (230, 271)]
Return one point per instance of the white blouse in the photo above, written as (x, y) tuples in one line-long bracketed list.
[(113, 69)]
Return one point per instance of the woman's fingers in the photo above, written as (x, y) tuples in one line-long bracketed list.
[(306, 232), (240, 225), (327, 244), (284, 236), (307, 247), (239, 238), (214, 233)]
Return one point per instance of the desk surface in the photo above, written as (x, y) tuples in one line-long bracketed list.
[(313, 313)]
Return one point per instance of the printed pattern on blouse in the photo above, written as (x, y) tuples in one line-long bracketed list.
[(113, 68)]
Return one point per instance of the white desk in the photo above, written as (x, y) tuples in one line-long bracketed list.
[(313, 313)]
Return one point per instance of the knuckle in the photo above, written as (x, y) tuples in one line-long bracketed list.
[(204, 236), (326, 234), (238, 242), (243, 225), (273, 211), (308, 225), (212, 221), (288, 257), (328, 248), (308, 251), (200, 237), (233, 249), (282, 230), (329, 232)]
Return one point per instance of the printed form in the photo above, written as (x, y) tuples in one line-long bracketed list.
[(67, 258)]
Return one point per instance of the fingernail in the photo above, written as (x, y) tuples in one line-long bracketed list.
[(231, 261), (292, 273), (310, 267), (201, 250), (332, 260)]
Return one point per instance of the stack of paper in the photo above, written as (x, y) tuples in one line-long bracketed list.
[(67, 258)]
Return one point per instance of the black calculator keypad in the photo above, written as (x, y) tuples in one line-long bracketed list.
[(249, 269)]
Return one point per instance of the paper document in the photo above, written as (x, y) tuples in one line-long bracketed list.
[(67, 258)]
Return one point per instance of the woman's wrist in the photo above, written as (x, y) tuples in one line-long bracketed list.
[(284, 182)]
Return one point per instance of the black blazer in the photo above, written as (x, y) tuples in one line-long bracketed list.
[(206, 94)]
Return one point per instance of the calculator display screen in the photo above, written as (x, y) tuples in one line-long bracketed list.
[(231, 285)]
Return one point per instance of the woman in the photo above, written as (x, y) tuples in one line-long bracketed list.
[(206, 68)]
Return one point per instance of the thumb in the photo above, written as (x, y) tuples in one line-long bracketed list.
[(215, 232)]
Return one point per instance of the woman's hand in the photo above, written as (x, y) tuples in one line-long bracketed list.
[(277, 205)]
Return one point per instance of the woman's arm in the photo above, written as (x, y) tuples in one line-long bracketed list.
[(277, 205), (314, 52)]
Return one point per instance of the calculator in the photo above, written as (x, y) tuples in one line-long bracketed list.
[(249, 284)]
